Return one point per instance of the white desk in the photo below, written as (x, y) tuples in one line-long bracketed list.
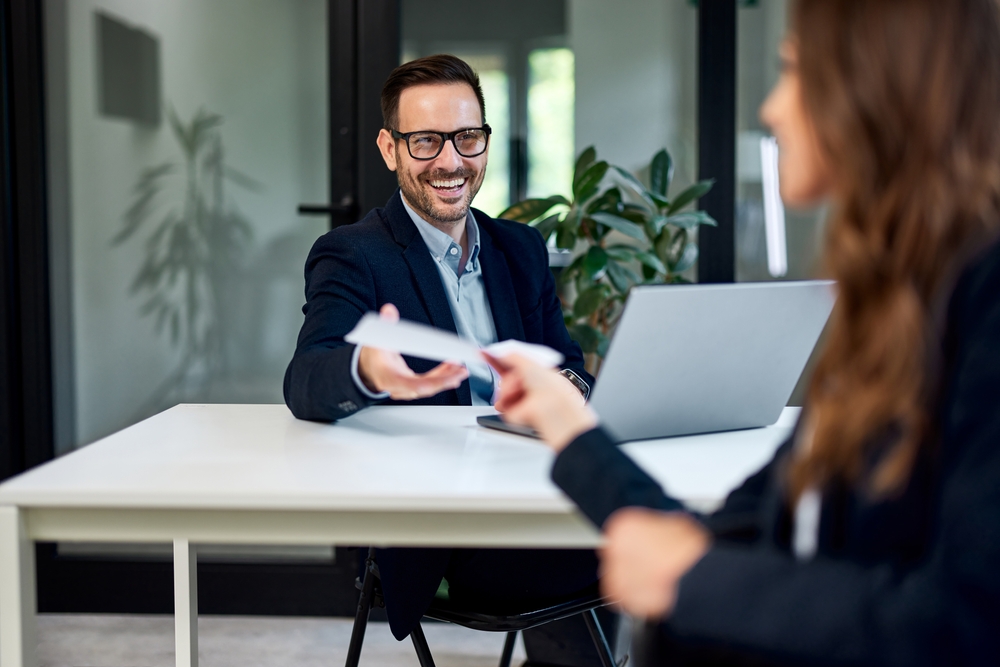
[(252, 474)]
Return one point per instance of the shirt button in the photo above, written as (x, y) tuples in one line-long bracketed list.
[(454, 251)]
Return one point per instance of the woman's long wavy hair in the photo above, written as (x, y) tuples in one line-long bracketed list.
[(904, 98)]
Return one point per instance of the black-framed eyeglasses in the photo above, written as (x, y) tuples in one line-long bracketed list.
[(427, 145)]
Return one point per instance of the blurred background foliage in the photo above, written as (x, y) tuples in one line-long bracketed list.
[(622, 232)]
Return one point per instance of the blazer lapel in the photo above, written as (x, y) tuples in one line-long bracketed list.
[(499, 288), (426, 279)]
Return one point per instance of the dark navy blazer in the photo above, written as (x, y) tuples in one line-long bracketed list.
[(383, 259)]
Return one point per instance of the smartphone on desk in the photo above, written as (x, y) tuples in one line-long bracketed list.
[(497, 422)]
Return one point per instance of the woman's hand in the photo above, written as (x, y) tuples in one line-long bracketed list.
[(644, 556), (535, 396)]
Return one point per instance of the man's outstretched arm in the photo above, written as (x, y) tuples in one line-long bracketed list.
[(329, 378)]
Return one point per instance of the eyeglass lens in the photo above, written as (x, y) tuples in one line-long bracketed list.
[(426, 145)]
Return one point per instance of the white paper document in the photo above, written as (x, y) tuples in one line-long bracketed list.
[(420, 340)]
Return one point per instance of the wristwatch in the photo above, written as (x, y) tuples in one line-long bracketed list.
[(577, 382)]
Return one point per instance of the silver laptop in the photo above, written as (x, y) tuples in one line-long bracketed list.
[(703, 358)]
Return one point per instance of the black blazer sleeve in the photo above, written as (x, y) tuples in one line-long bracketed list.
[(944, 609), (556, 335), (339, 290), (600, 479)]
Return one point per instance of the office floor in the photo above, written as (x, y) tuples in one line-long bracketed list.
[(148, 641)]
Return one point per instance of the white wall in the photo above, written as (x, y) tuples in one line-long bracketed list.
[(261, 65), (636, 67)]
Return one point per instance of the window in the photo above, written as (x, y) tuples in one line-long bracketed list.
[(551, 96)]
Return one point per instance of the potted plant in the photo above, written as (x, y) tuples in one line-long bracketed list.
[(654, 243)]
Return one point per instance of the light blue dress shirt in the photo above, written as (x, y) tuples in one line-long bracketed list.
[(466, 293)]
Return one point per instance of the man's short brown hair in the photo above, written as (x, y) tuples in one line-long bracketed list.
[(442, 68)]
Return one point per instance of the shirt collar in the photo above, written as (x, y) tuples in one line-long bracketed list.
[(440, 244)]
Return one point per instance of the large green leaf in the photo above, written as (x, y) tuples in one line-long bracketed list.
[(621, 253), (568, 274), (586, 187), (708, 220), (622, 277), (688, 257), (690, 220), (587, 336), (634, 212), (610, 201), (572, 221), (620, 224), (668, 247), (661, 172), (529, 209), (590, 300), (566, 239), (661, 202), (636, 185), (595, 261), (693, 193), (587, 158), (651, 260), (602, 346), (676, 248), (546, 226), (656, 225)]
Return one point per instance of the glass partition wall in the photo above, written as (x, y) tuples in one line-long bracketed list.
[(181, 137), (775, 244)]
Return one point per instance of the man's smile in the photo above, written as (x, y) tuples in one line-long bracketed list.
[(448, 188)]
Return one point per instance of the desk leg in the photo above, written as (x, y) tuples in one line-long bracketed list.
[(18, 642), (185, 604)]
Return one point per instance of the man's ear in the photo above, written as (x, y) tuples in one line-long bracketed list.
[(387, 146)]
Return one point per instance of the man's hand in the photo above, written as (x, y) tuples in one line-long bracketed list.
[(381, 370), (644, 557)]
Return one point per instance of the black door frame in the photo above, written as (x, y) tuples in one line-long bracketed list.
[(361, 58), (363, 47), (26, 419), (717, 137)]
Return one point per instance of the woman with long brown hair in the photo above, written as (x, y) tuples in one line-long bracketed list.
[(873, 537)]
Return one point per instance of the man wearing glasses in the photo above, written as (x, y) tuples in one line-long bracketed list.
[(428, 257)]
